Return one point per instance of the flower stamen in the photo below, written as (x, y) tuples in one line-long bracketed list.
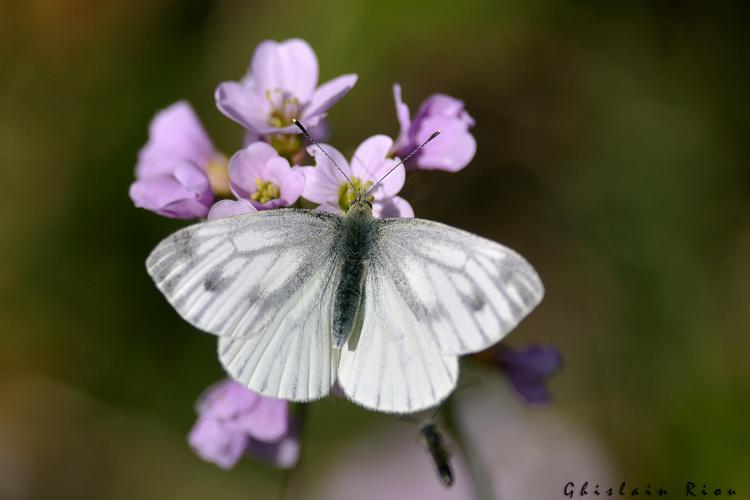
[(218, 175), (284, 108), (266, 192)]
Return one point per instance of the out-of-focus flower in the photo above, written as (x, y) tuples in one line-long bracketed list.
[(456, 146), (259, 175), (281, 85), (324, 184), (178, 169), (526, 455), (528, 370), (233, 421), (283, 453), (183, 194)]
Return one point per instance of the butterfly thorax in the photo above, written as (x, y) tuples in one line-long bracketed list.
[(358, 233)]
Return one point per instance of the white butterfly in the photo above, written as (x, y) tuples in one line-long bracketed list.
[(302, 298)]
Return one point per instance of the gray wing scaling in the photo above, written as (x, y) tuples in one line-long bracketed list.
[(229, 276), (468, 290), (264, 282)]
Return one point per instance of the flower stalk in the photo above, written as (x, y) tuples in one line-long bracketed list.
[(481, 483), (291, 478)]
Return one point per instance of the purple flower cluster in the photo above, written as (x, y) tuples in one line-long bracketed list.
[(181, 175), (173, 173), (233, 421)]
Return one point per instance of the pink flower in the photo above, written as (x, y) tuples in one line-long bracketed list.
[(280, 85), (172, 174), (456, 146), (233, 421), (258, 174), (325, 185)]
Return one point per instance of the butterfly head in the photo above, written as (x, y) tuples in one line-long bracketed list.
[(361, 203)]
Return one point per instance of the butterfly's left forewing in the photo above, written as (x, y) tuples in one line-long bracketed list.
[(264, 283)]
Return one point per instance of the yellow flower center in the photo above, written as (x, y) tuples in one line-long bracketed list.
[(217, 171), (283, 108), (266, 192), (347, 194), (287, 145)]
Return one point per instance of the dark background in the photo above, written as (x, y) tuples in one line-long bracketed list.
[(612, 152)]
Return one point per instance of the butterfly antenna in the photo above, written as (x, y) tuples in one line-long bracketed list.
[(310, 139), (413, 152)]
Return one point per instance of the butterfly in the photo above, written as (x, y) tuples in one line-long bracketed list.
[(301, 299)]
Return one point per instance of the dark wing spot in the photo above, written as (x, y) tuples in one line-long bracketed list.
[(214, 282), (476, 302)]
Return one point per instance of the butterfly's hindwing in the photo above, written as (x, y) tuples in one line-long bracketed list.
[(264, 282), (395, 366), (295, 359)]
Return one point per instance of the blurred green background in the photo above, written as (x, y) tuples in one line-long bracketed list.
[(612, 152)]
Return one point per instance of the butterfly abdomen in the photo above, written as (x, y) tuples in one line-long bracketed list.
[(358, 234), (434, 442)]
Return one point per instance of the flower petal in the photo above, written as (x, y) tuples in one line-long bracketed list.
[(451, 151), (226, 400), (184, 195), (455, 147), (175, 134), (326, 96), (269, 420), (230, 208), (404, 121), (289, 66), (370, 162), (445, 106), (283, 453), (330, 208), (528, 370), (247, 165), (323, 181), (391, 208), (242, 103), (372, 156), (320, 132), (291, 181), (214, 443)]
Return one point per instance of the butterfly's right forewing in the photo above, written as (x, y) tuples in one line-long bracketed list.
[(468, 290), (264, 282)]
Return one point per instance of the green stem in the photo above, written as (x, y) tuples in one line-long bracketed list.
[(481, 482), (290, 478)]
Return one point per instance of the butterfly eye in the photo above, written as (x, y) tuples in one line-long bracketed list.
[(369, 204)]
